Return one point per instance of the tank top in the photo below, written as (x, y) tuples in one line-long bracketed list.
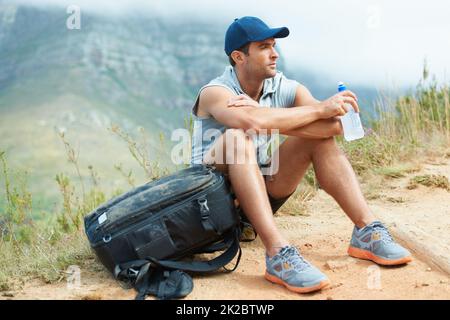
[(278, 92)]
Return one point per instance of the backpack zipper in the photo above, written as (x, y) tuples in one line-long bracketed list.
[(121, 220), (139, 223)]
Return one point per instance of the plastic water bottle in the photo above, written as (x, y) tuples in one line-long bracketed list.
[(351, 122)]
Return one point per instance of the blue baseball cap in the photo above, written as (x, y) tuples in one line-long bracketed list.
[(248, 29)]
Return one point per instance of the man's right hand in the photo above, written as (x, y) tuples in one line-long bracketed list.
[(337, 105)]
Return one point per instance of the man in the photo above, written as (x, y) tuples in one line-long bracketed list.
[(252, 96)]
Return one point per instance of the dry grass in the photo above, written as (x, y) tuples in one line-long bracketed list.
[(430, 180), (46, 258)]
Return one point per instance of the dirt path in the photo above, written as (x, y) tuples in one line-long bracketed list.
[(420, 216)]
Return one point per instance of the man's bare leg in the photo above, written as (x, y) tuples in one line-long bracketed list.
[(285, 267), (248, 185), (338, 179), (332, 168)]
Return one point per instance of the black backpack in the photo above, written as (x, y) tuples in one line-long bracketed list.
[(143, 236)]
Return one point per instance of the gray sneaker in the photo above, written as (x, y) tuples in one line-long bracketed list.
[(291, 270), (374, 242)]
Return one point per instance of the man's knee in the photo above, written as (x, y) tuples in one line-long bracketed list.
[(237, 138), (233, 147), (336, 127), (333, 128), (326, 145), (239, 146)]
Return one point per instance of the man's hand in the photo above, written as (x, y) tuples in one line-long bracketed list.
[(242, 100), (336, 105)]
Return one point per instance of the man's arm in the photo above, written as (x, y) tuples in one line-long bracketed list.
[(214, 101), (322, 128), (303, 97), (319, 129)]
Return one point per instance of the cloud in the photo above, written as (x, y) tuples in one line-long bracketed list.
[(376, 42)]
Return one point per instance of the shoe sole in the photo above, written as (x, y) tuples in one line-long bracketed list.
[(367, 255), (277, 280)]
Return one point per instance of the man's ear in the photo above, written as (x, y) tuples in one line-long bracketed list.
[(237, 56)]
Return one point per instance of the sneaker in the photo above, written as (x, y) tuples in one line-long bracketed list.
[(291, 270), (374, 242)]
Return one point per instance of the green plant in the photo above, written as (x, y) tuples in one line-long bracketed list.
[(128, 176), (374, 151), (16, 222), (139, 151), (396, 171), (72, 157)]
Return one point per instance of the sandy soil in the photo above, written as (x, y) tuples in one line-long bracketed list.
[(420, 216)]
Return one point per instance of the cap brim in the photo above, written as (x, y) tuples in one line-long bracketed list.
[(281, 32)]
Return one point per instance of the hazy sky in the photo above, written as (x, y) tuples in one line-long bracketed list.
[(376, 42)]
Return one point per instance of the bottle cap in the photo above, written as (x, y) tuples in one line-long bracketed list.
[(341, 86)]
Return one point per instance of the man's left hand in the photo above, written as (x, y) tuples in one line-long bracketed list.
[(242, 100)]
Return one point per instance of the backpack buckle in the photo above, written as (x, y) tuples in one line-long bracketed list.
[(204, 209), (106, 238), (132, 272)]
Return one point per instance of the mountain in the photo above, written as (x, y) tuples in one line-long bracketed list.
[(137, 66)]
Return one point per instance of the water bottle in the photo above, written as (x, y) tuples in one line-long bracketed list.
[(351, 122)]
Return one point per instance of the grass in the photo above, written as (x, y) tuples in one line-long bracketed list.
[(47, 258), (404, 131), (412, 123), (397, 171), (297, 204), (430, 180)]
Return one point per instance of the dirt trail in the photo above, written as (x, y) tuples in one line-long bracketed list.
[(421, 217)]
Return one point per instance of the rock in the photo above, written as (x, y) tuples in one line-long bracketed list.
[(336, 265), (91, 296), (425, 284), (8, 294), (428, 269), (308, 245), (337, 285)]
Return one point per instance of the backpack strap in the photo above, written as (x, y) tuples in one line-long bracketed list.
[(160, 282), (232, 241), (217, 246), (164, 278)]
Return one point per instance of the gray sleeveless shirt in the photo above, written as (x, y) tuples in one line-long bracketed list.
[(278, 92)]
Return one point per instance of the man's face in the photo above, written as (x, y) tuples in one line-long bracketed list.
[(261, 59)]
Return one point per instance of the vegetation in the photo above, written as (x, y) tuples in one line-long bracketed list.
[(404, 130), (430, 180)]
